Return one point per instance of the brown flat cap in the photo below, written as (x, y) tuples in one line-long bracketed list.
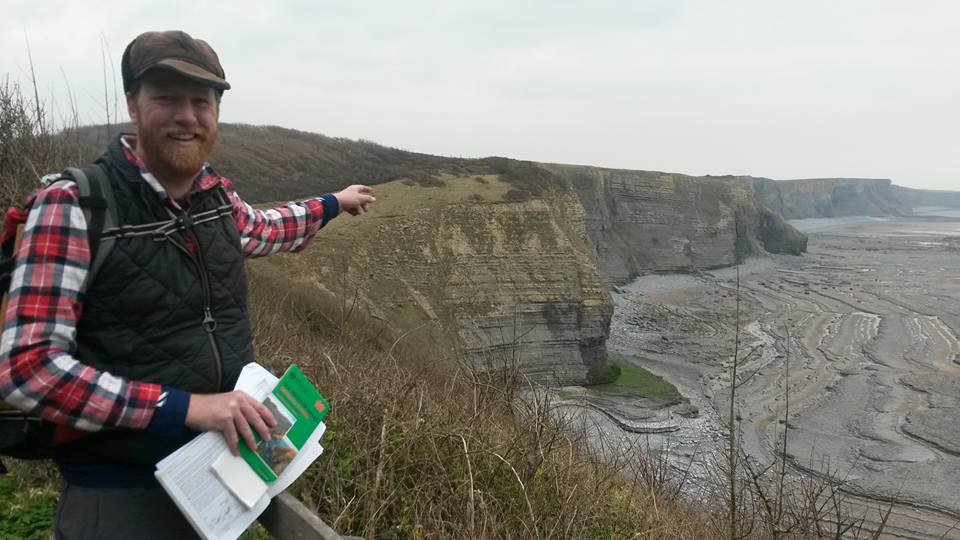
[(173, 50)]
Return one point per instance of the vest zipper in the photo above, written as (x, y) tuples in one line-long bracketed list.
[(209, 323)]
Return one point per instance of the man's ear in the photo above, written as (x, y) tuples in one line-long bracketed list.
[(132, 109)]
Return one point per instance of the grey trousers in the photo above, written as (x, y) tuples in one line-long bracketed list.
[(118, 514)]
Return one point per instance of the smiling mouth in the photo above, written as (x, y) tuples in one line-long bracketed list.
[(183, 137)]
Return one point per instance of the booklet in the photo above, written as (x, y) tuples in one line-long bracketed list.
[(220, 494), (298, 408)]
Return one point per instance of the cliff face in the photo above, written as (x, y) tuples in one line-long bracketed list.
[(838, 197), (830, 197), (643, 222), (523, 287), (474, 271), (927, 197)]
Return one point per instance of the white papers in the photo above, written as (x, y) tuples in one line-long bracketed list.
[(214, 512), (240, 478), (188, 476)]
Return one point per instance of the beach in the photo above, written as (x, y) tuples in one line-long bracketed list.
[(851, 348)]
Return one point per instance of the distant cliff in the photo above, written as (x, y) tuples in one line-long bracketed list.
[(839, 197), (643, 222), (927, 197), (829, 197)]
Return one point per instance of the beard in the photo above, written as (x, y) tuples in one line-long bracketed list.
[(166, 158)]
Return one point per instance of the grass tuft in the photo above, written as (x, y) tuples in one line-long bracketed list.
[(628, 379)]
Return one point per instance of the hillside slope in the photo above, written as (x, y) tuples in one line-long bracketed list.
[(483, 260)]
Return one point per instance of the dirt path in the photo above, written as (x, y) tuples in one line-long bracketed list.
[(873, 315)]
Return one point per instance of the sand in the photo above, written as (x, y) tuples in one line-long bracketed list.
[(872, 312)]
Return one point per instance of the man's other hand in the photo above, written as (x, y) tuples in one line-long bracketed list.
[(231, 413), (355, 199)]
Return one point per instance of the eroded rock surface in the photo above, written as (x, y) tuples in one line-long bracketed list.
[(863, 334), (830, 197), (643, 222), (475, 274)]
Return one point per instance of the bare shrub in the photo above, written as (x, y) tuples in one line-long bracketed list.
[(31, 143)]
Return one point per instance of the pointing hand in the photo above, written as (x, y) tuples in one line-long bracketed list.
[(355, 199)]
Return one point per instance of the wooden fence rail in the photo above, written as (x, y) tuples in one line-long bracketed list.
[(288, 519)]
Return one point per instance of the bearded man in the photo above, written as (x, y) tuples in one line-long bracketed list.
[(136, 362)]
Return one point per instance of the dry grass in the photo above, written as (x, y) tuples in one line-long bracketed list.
[(418, 449)]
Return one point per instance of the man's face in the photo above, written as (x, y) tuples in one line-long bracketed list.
[(176, 121)]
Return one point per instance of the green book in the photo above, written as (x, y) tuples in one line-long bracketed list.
[(298, 408)]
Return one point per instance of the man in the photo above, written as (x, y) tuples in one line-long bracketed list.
[(146, 355)]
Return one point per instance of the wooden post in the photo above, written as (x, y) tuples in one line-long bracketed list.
[(288, 519)]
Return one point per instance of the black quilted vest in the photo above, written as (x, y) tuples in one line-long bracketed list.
[(159, 311)]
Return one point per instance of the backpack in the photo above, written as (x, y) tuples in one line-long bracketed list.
[(22, 435)]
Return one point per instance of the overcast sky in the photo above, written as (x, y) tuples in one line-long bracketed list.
[(766, 88)]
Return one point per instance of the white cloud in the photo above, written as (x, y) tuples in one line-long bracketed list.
[(786, 90)]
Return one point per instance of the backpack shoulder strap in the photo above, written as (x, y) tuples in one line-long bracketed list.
[(100, 210)]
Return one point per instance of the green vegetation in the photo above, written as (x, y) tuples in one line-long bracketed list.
[(632, 380), (28, 497)]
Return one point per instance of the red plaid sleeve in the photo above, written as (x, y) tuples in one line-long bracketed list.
[(38, 372), (289, 227)]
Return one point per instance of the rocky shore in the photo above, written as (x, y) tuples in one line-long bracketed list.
[(861, 333)]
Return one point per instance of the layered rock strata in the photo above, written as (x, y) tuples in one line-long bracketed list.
[(830, 197), (457, 268), (643, 222), (523, 288), (927, 197), (842, 197)]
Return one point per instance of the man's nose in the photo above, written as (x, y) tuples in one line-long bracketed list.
[(185, 113)]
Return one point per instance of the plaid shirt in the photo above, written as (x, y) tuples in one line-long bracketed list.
[(38, 372)]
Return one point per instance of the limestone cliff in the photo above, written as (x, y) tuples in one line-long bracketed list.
[(473, 270), (830, 197), (643, 222), (927, 197), (838, 197)]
